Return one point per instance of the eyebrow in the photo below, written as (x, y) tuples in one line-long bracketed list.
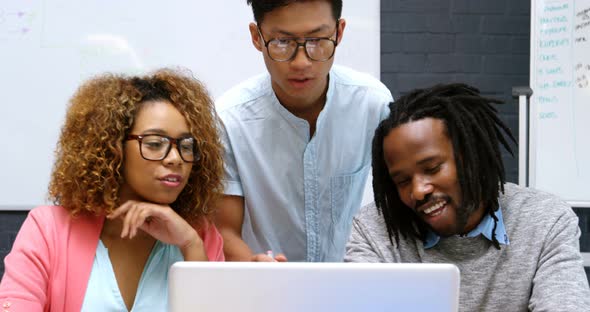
[(154, 130), (160, 131), (311, 32), (427, 160), (420, 163)]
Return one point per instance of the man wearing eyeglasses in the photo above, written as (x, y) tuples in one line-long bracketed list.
[(297, 139)]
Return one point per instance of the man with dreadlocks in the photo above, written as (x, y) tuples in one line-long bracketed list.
[(441, 197)]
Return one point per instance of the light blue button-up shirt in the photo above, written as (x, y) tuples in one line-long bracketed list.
[(485, 228), (300, 192), (103, 294)]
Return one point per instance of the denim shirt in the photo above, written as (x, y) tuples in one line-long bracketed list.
[(485, 228), (300, 192)]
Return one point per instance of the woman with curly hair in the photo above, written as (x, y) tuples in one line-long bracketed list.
[(138, 166)]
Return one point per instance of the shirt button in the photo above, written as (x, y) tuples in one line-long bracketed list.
[(6, 304)]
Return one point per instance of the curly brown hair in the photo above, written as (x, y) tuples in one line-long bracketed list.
[(87, 174)]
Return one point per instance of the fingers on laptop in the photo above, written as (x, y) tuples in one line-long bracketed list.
[(281, 258), (265, 258)]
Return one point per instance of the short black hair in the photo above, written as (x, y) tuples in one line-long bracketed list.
[(475, 131), (261, 7)]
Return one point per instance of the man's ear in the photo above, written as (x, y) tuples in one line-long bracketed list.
[(341, 26), (255, 35)]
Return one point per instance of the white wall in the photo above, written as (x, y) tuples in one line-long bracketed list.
[(48, 47)]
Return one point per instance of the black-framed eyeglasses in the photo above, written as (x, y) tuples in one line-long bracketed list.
[(157, 147), (319, 49)]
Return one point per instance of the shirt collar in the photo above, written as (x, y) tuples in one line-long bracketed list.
[(485, 228)]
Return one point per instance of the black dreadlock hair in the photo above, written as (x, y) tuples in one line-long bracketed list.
[(475, 131)]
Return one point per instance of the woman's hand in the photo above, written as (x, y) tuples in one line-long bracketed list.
[(163, 224)]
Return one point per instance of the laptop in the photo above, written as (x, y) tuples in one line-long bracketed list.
[(323, 287)]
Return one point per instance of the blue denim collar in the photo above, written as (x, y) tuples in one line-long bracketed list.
[(484, 228)]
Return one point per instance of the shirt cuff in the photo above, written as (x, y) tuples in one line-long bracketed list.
[(233, 188)]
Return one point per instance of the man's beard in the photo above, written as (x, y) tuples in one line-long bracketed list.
[(462, 213)]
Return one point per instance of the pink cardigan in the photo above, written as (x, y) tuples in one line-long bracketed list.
[(50, 262)]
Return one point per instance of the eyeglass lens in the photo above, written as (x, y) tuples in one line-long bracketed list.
[(318, 49), (155, 147)]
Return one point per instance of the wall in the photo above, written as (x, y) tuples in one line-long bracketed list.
[(44, 64), (481, 42), (10, 222)]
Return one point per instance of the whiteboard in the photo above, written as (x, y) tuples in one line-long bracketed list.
[(559, 159), (48, 47)]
